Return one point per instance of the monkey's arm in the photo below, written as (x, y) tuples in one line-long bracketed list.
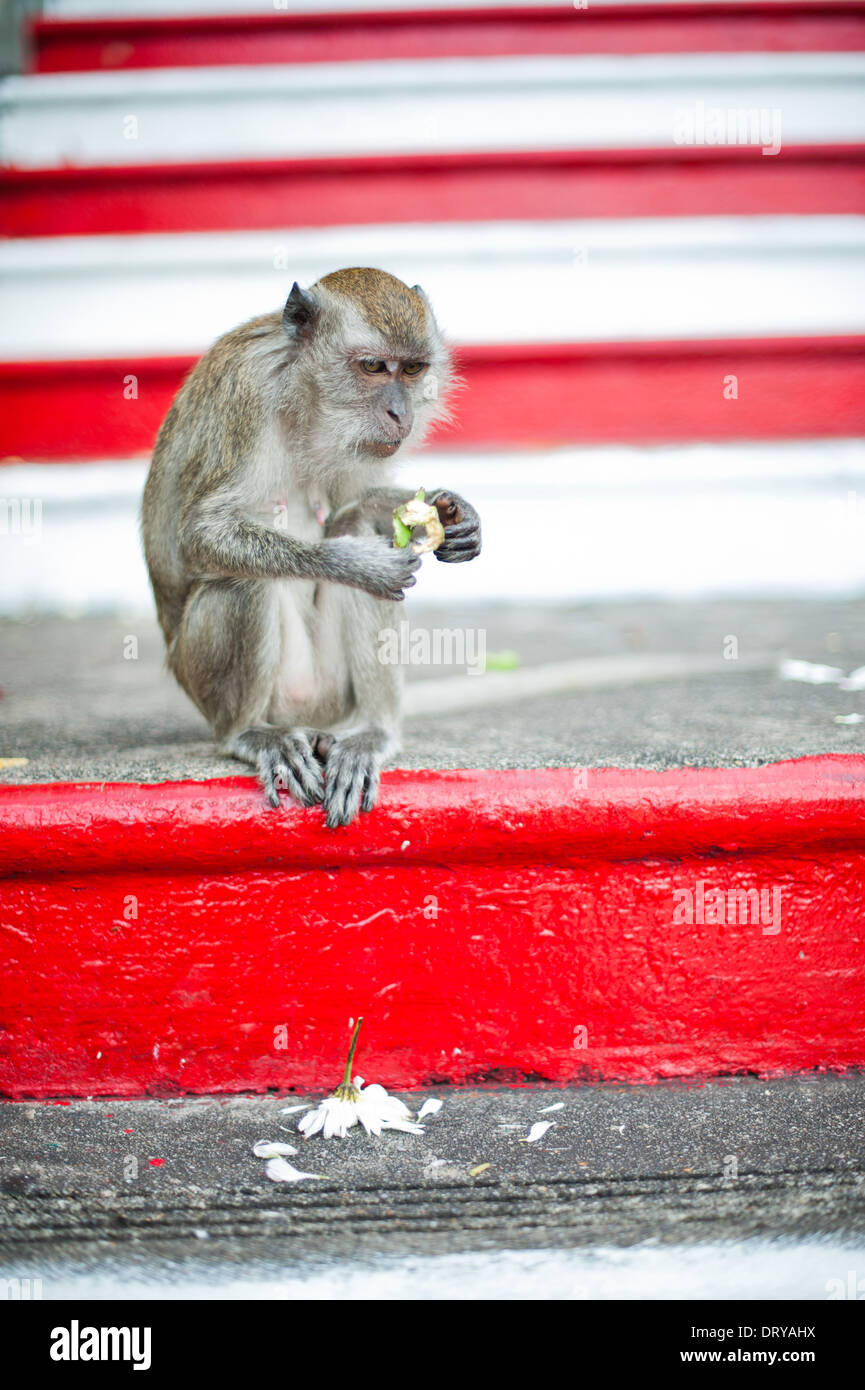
[(375, 509), (220, 543)]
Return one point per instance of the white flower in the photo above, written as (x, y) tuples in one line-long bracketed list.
[(335, 1116), (352, 1103)]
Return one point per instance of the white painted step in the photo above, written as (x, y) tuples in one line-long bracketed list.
[(110, 9), (326, 109), (575, 524), (587, 280)]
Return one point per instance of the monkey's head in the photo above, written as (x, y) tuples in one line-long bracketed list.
[(376, 367)]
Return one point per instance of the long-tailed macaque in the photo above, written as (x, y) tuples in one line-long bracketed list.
[(267, 523)]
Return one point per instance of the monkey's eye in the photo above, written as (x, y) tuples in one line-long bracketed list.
[(413, 368), (372, 366)]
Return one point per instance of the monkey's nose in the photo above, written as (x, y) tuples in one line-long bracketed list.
[(394, 416)]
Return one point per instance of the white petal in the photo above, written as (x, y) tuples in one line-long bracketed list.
[(408, 1126), (313, 1122), (265, 1149), (559, 1105), (279, 1171), (294, 1109), (430, 1107), (376, 1093), (370, 1121), (537, 1131)]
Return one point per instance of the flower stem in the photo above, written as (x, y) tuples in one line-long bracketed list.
[(346, 1080)]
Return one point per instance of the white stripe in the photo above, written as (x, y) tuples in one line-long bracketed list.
[(577, 524), (489, 282), (171, 115), (113, 9)]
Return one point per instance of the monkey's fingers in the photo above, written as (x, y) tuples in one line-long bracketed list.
[(447, 506), (305, 779), (461, 528), (268, 771), (352, 776), (396, 595), (370, 792), (289, 764), (461, 548)]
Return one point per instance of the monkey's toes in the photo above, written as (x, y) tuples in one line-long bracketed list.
[(290, 764), (351, 785)]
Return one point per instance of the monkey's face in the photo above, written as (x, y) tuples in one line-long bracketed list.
[(374, 362), (387, 388)]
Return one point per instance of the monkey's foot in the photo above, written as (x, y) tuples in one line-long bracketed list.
[(351, 786), (286, 759)]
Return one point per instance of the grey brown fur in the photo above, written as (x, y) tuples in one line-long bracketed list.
[(267, 523)]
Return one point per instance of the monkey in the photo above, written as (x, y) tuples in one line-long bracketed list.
[(267, 530)]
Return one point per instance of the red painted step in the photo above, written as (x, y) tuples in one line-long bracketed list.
[(441, 187), (557, 924), (517, 395), (192, 41)]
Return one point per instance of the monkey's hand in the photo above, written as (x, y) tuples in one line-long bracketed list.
[(351, 778), (462, 527), (372, 564)]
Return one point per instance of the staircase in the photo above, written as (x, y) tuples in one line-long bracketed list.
[(642, 226)]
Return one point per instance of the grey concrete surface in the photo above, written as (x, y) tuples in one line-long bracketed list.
[(78, 710), (729, 1159)]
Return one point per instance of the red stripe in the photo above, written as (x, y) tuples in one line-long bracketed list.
[(191, 41), (732, 180), (515, 395), (478, 920)]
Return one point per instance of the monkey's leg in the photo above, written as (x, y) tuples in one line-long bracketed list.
[(356, 757), (226, 655)]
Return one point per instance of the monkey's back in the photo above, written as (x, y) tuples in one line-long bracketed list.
[(211, 423)]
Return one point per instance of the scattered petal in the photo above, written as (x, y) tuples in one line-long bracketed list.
[(855, 680), (430, 1107), (537, 1131), (279, 1171), (811, 672), (295, 1109), (849, 718), (265, 1149), (481, 1168), (559, 1105)]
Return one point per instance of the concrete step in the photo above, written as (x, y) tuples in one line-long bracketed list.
[(733, 1189), (648, 920)]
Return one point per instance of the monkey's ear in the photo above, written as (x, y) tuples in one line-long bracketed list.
[(300, 313)]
